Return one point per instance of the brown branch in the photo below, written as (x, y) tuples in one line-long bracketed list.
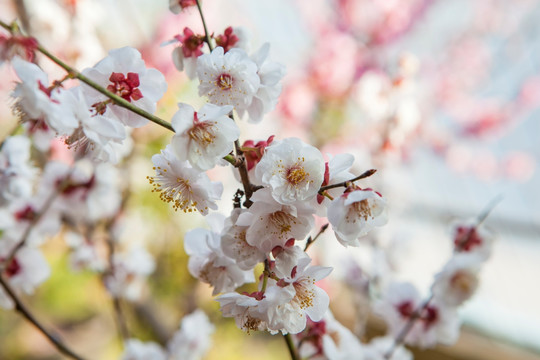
[(311, 240), (364, 175), (23, 310), (206, 33)]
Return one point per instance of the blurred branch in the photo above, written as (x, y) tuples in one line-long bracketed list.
[(23, 310), (364, 175)]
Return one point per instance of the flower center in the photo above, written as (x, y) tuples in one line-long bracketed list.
[(13, 268), (202, 133), (463, 282), (225, 82), (282, 221), (125, 87), (304, 295), (296, 174), (363, 209), (26, 214)]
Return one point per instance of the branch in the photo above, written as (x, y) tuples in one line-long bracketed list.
[(312, 240), (364, 175), (206, 33), (291, 347), (53, 338)]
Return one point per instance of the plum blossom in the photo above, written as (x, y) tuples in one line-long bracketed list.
[(471, 238), (234, 243), (293, 170), (355, 213), (308, 299), (193, 339), (179, 183), (135, 349), (207, 261), (232, 37), (17, 174), (458, 280), (228, 78), (205, 136), (272, 224), (83, 253), (270, 74), (124, 73), (36, 100), (17, 45), (176, 6), (96, 133), (185, 56), (248, 310), (25, 272), (436, 322)]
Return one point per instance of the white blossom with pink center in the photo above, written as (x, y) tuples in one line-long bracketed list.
[(338, 342), (17, 174), (293, 170), (228, 78), (194, 338), (272, 224), (203, 137), (458, 280), (176, 6), (135, 349), (435, 323), (270, 74), (308, 298), (471, 238), (188, 189), (356, 213), (25, 272), (234, 243), (35, 99), (88, 191), (124, 73), (207, 261)]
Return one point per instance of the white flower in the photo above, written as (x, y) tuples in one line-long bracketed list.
[(138, 350), (186, 188), (208, 263), (36, 100), (458, 280), (355, 213), (270, 73), (272, 224), (124, 73), (436, 323), (203, 137), (228, 78), (339, 343), (470, 238), (17, 174), (193, 339), (308, 299), (234, 243), (25, 272), (91, 192), (176, 6), (130, 270), (292, 169), (83, 253), (248, 311)]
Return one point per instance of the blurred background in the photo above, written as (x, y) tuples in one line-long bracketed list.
[(441, 97)]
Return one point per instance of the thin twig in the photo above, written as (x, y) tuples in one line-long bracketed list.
[(206, 33), (23, 310), (291, 347), (364, 175), (311, 240)]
